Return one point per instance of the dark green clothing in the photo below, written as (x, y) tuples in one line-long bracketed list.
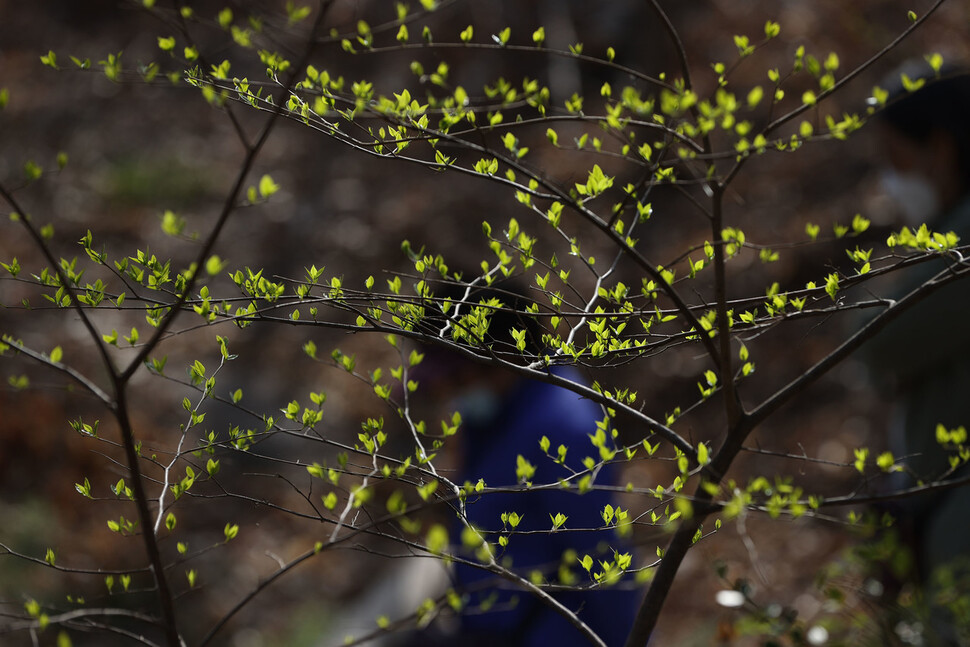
[(925, 356)]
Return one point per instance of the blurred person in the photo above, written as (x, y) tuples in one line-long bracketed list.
[(924, 355), (926, 142), (504, 417)]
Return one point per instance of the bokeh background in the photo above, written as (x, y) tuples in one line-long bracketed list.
[(136, 150)]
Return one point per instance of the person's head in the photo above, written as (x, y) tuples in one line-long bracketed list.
[(452, 374), (926, 135)]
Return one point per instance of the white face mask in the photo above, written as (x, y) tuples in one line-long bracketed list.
[(479, 406), (913, 194)]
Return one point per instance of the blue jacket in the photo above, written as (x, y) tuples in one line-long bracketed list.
[(494, 439)]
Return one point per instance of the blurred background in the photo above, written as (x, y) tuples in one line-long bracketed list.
[(136, 150)]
